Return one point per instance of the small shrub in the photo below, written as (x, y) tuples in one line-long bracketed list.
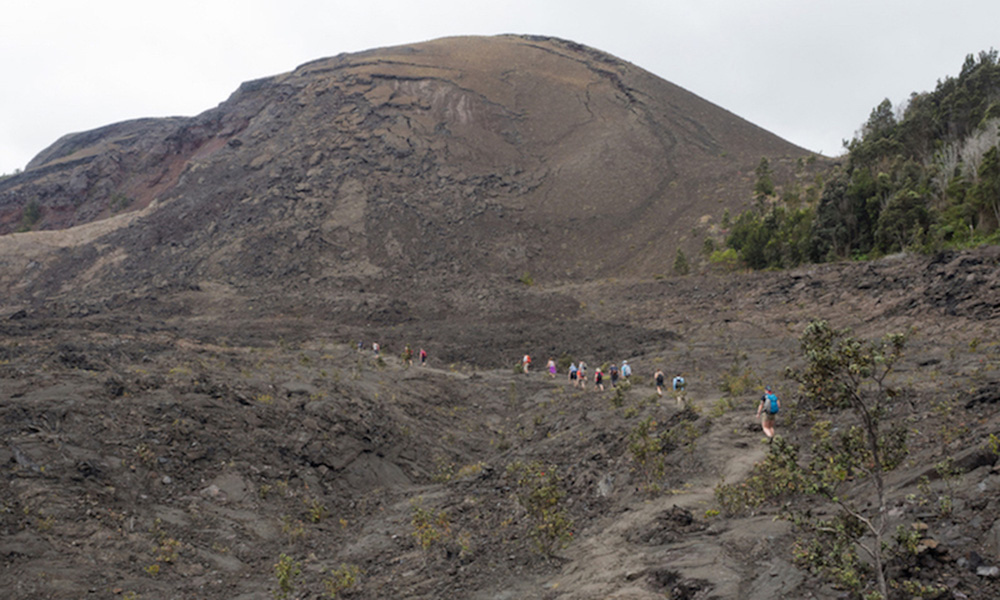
[(44, 522), (833, 553), (317, 511), (341, 579), (993, 444), (774, 479), (618, 398), (647, 452), (145, 454), (167, 550), (681, 435), (681, 264), (722, 406), (469, 470), (728, 259), (293, 528), (429, 527), (539, 492), (119, 202), (286, 570), (739, 379), (30, 216), (445, 470)]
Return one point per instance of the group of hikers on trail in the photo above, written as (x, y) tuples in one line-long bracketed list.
[(766, 410), (678, 385), (578, 375), (407, 355)]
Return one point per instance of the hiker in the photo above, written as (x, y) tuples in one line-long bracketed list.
[(626, 369), (598, 380), (659, 376), (423, 357), (408, 356), (375, 348), (526, 362), (679, 389), (581, 375), (613, 373), (769, 406), (572, 374), (552, 367), (361, 345)]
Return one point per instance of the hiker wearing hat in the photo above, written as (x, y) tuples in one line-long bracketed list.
[(769, 406)]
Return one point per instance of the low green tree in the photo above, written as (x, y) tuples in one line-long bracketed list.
[(539, 491), (681, 264), (844, 372), (846, 465), (764, 185), (903, 222), (30, 215), (986, 193), (286, 571)]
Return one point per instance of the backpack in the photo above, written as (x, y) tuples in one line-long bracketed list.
[(678, 383), (772, 403)]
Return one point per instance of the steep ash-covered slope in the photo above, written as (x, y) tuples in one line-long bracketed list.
[(471, 157)]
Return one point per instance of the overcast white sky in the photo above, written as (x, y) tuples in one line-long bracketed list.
[(808, 70)]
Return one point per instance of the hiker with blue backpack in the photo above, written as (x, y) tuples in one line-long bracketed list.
[(679, 384), (769, 407)]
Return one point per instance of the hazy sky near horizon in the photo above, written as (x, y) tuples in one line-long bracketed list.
[(809, 71)]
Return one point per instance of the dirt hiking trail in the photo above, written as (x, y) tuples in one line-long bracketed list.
[(647, 540)]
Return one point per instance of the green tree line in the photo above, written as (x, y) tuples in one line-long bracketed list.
[(924, 176)]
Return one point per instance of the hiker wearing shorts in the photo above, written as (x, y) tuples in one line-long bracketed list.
[(572, 374), (581, 375), (768, 407), (598, 380), (423, 357), (526, 362), (659, 376)]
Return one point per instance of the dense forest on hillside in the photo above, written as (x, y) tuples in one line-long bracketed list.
[(924, 176)]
